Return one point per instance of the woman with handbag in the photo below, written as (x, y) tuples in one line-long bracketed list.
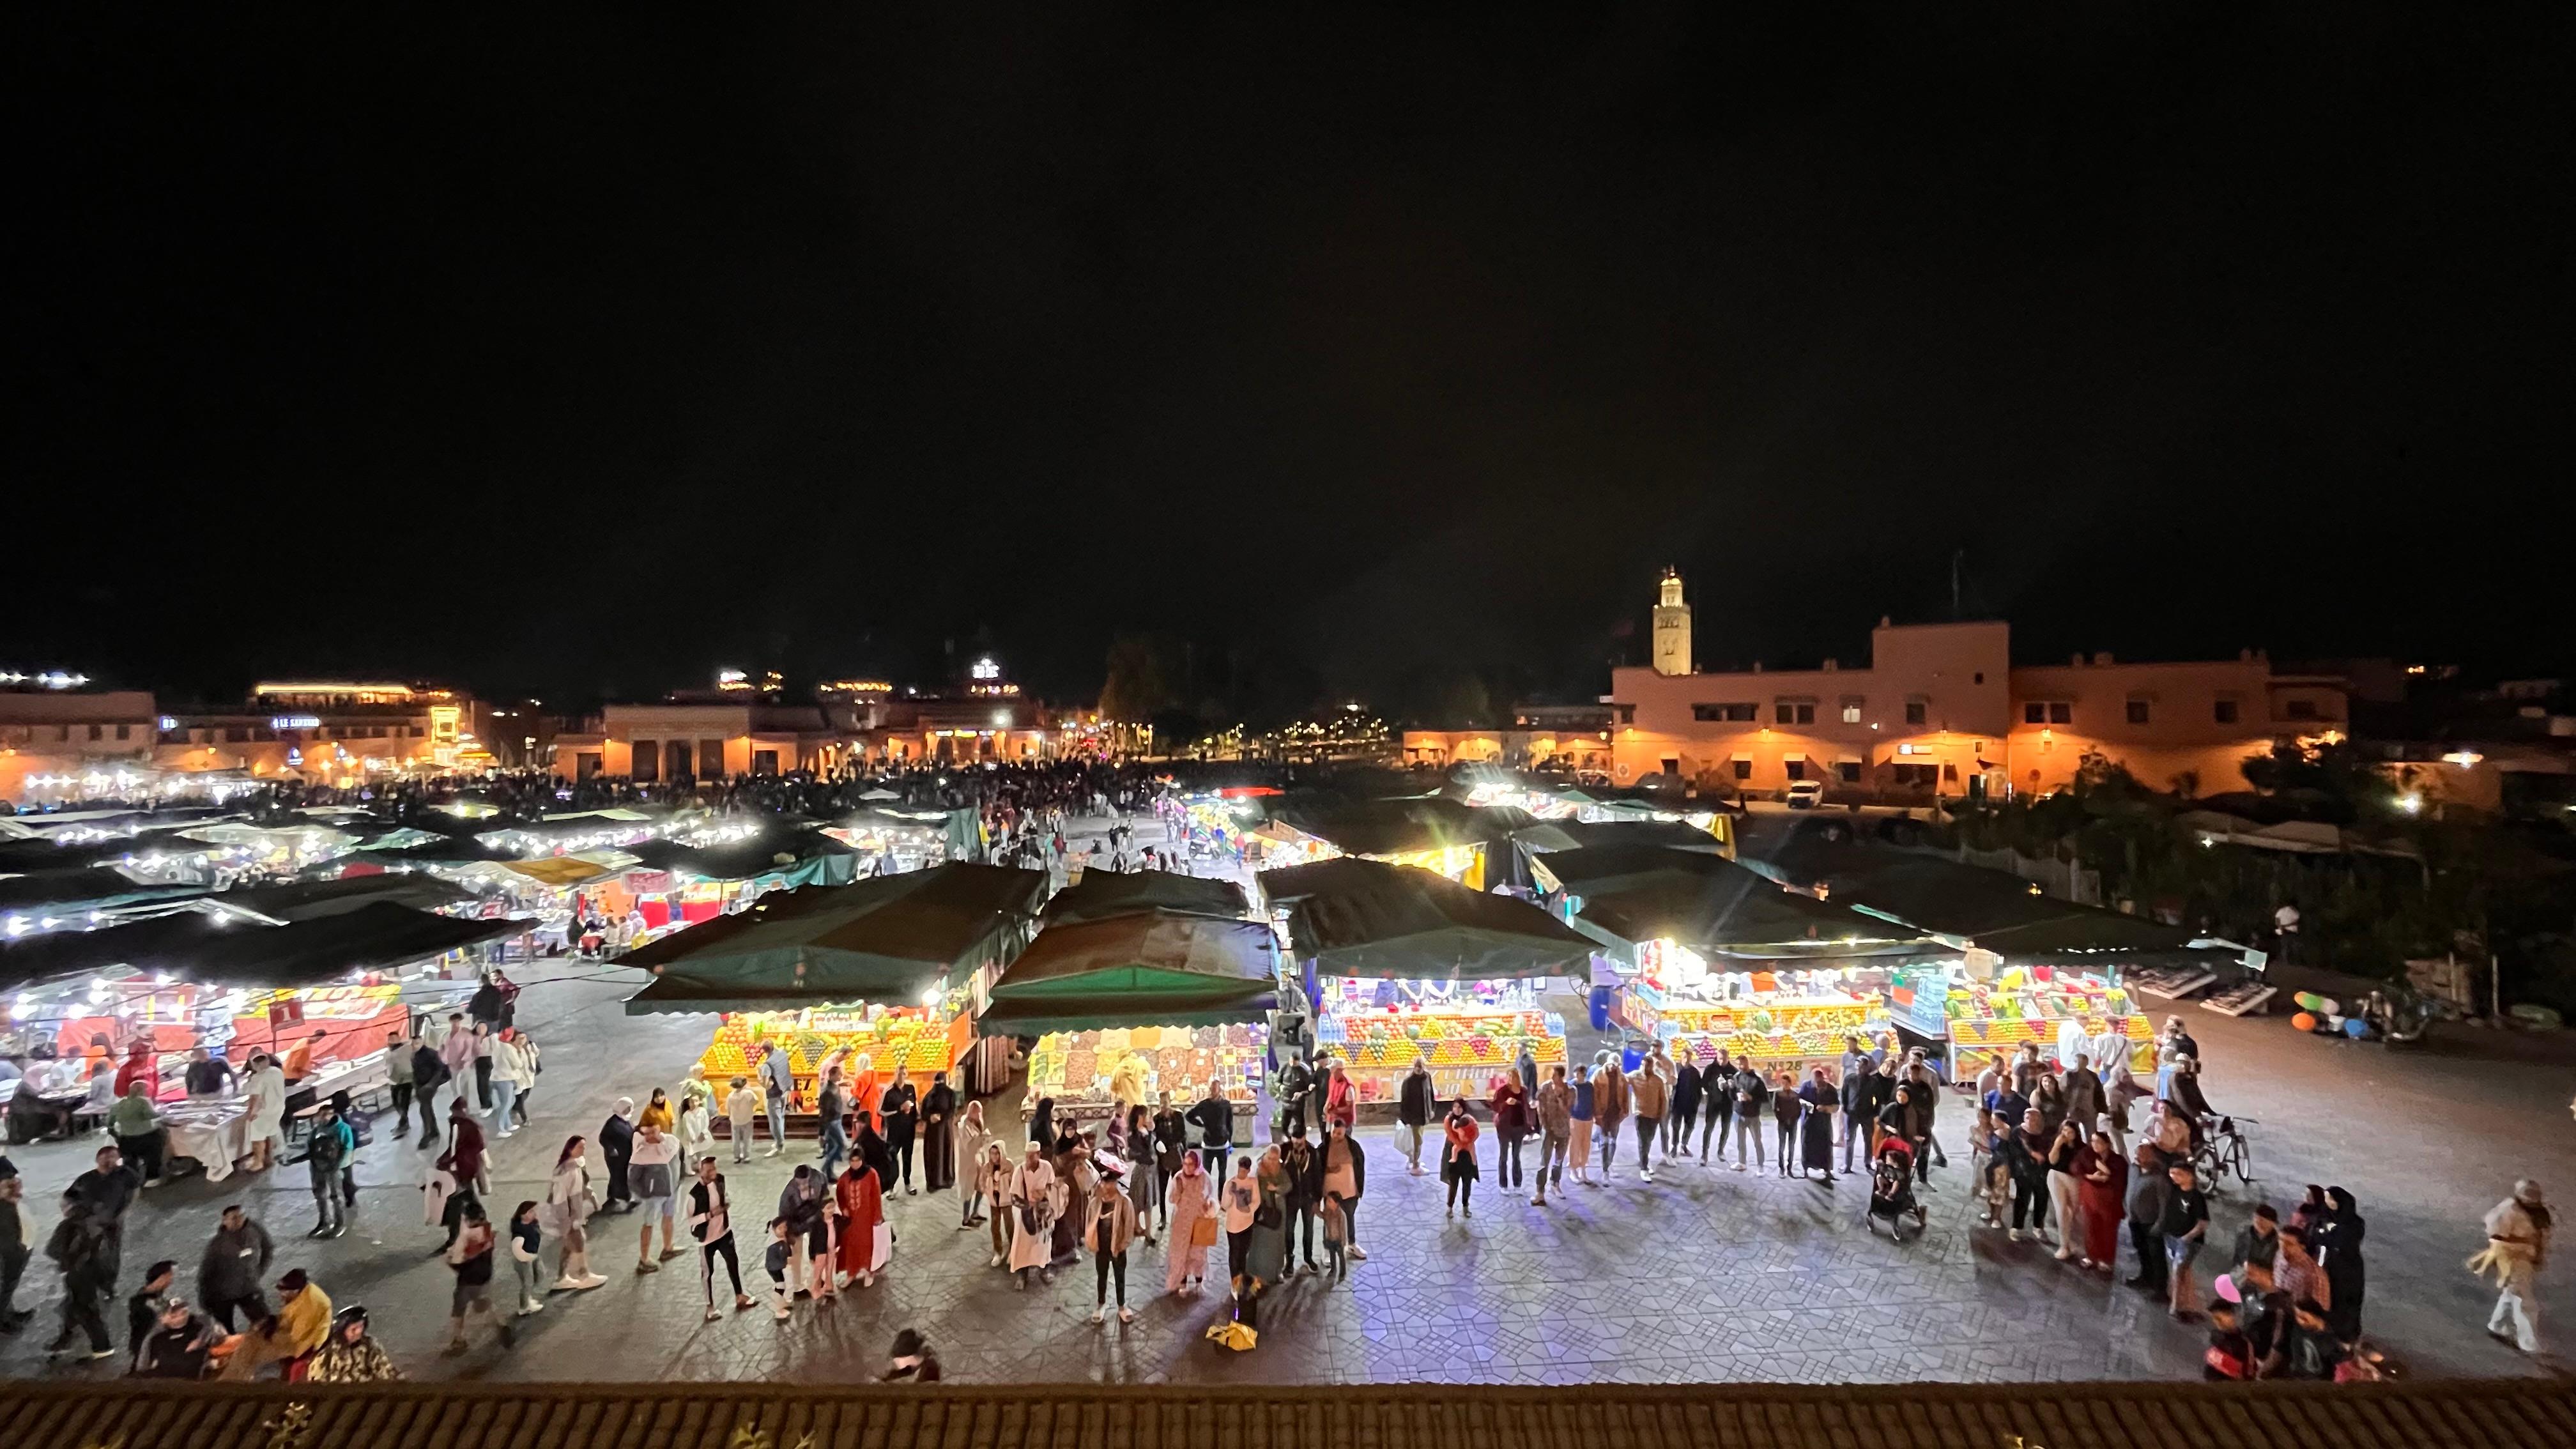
[(1191, 1212), (569, 1205)]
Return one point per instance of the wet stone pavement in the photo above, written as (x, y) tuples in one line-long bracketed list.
[(1704, 1275)]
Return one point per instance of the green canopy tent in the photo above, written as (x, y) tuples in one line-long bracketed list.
[(1144, 968), (1102, 894), (1353, 917), (888, 939), (1598, 869), (1734, 912), (1995, 910)]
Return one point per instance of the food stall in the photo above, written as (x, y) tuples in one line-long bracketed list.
[(1712, 957), (1989, 1008), (898, 960), (1400, 961), (1468, 1031), (1129, 1005), (237, 985)]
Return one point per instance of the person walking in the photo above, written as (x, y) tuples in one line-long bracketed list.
[(1144, 1183), (2023, 1154), (805, 1204), (1555, 1124), (1578, 1137), (1171, 1139), (2084, 1100), (428, 1073), (1191, 1207), (1752, 1096), (1510, 1105), (569, 1206), (711, 1227), (1110, 1228), (471, 1259), (514, 1071), (652, 1175), (1238, 1202), (1650, 1096), (135, 1123), (1265, 1258), (79, 1248), (1458, 1158), (1344, 1166), (993, 1172), (527, 1262), (235, 1264), (1609, 1107), (2518, 1230), (1859, 1094), (616, 1147), (1413, 1113)]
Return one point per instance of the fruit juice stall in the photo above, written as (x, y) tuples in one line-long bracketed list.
[(1990, 1009), (1780, 1016), (892, 967), (1400, 961), (1147, 1000), (916, 1040), (1468, 1031)]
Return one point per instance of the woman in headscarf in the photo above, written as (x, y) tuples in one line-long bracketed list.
[(1266, 1259), (939, 1134), (972, 1137), (900, 1110), (1190, 1203), (2310, 1211), (1042, 1125), (860, 1199), (1816, 1129), (1074, 1177), (872, 1153), (2338, 1243), (1458, 1157), (861, 1075)]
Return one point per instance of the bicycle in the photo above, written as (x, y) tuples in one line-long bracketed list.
[(2223, 1150)]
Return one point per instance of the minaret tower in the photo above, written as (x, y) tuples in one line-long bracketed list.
[(1672, 627)]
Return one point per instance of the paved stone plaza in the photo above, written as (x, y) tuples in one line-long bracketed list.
[(1703, 1276)]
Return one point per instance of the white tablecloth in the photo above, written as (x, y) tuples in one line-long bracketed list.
[(217, 1143)]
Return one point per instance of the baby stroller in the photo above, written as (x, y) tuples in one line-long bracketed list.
[(1891, 1190)]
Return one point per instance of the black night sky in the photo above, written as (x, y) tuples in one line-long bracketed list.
[(1360, 350)]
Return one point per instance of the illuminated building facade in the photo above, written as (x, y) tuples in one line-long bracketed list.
[(337, 732), (62, 742)]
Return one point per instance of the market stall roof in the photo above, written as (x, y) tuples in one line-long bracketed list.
[(1363, 918), (312, 899), (1670, 834), (773, 851), (1598, 869), (1995, 910), (1148, 968), (885, 939), (90, 888), (565, 871), (1383, 827), (1735, 912), (1103, 893), (224, 948)]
